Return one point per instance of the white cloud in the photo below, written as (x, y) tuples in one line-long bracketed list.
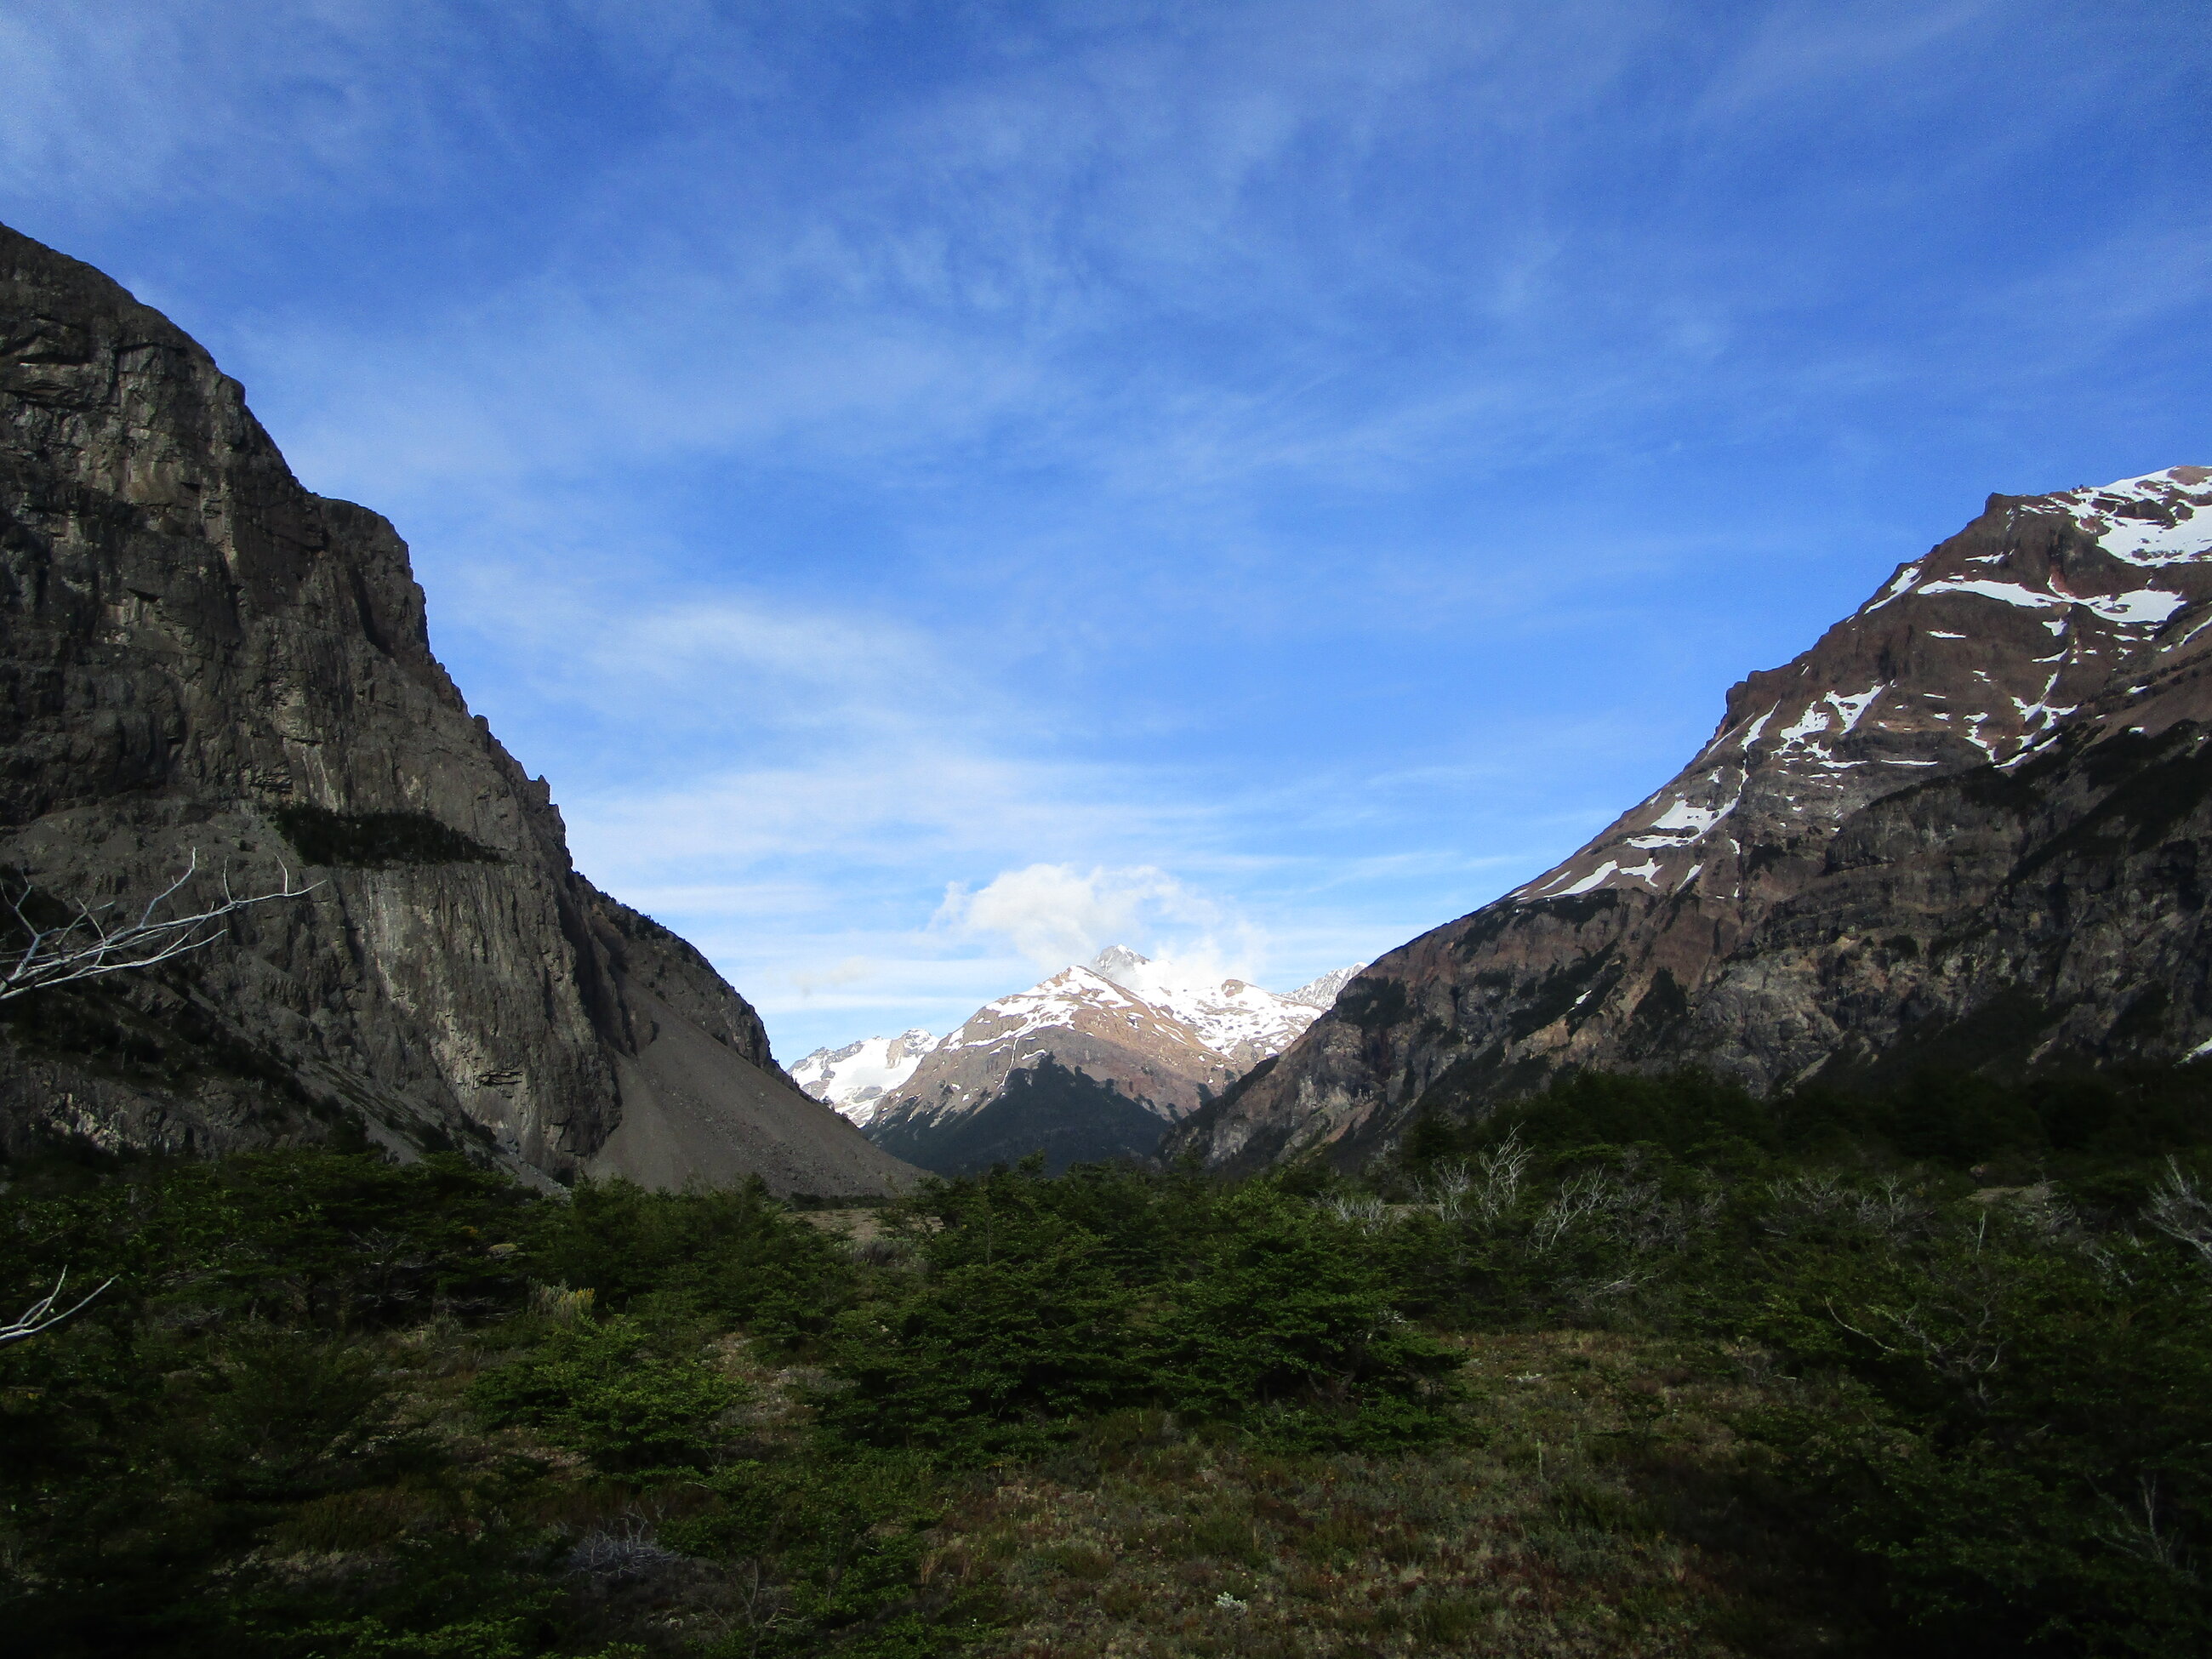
[(1056, 914)]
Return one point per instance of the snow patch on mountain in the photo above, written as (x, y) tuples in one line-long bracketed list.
[(1923, 649), (856, 1078), (1232, 1017), (2161, 518), (1322, 993)]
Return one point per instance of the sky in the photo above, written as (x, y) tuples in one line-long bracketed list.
[(941, 487)]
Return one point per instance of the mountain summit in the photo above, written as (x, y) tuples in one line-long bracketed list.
[(1966, 826), (856, 1077), (1097, 1062)]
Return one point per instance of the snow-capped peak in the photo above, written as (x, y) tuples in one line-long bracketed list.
[(1161, 1031), (856, 1077), (1976, 653), (1115, 960), (1232, 1017), (1322, 993), (2146, 520)]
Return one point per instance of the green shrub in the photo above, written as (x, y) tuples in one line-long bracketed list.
[(1290, 1326), (614, 1391), (732, 1257), (1016, 1327)]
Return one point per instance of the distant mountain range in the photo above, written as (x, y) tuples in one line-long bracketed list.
[(1969, 828), (1098, 1061)]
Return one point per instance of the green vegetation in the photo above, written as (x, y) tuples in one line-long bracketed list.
[(377, 841), (1636, 1366)]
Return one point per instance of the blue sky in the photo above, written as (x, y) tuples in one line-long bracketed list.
[(939, 487)]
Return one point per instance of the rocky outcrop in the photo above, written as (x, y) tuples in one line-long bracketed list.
[(201, 659), (1968, 825)]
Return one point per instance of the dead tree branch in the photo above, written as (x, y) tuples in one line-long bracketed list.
[(2181, 1212), (94, 942), (41, 1314)]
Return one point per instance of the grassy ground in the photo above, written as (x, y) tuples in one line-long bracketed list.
[(1599, 1506), (1604, 1510)]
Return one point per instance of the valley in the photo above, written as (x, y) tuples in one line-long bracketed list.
[(1781, 1228)]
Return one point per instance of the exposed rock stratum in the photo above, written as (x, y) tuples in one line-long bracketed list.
[(1969, 826), (197, 656)]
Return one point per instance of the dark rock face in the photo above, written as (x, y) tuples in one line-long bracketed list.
[(1970, 825), (197, 655)]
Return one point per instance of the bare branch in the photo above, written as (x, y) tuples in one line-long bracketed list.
[(1487, 1191), (91, 942), (2181, 1212), (41, 1314)]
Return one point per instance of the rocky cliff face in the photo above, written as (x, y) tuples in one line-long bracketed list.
[(197, 657), (1968, 825)]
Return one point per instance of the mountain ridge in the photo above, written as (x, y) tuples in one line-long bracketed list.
[(1096, 1061)]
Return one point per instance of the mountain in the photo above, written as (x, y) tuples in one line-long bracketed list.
[(1322, 993), (1969, 826), (856, 1077), (202, 660), (1236, 1020), (1097, 1062)]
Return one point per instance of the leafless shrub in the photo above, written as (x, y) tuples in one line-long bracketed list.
[(2181, 1212), (2135, 1529), (1821, 1193), (1485, 1189), (1957, 1329), (1624, 1206), (1891, 1209), (625, 1550), (1445, 1190), (41, 1314), (1362, 1210), (1580, 1199)]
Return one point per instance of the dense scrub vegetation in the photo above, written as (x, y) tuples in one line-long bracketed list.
[(1636, 1366)]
